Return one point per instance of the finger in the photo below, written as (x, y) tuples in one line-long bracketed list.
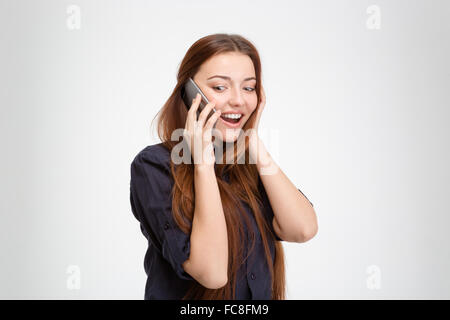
[(262, 104), (263, 96), (213, 119), (193, 109), (205, 112)]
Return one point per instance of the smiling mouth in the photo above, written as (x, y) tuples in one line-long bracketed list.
[(229, 120), (233, 123)]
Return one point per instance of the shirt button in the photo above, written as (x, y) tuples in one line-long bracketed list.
[(252, 276), (166, 226)]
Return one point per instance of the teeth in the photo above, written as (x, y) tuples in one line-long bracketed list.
[(232, 116)]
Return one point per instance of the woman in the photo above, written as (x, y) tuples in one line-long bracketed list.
[(214, 227)]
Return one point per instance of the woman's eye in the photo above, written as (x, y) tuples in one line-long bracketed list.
[(247, 88)]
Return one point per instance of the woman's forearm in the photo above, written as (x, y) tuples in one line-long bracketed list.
[(209, 239)]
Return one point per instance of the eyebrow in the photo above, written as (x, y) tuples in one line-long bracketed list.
[(228, 78)]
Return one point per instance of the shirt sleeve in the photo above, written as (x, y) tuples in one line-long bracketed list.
[(150, 196), (306, 197), (267, 208)]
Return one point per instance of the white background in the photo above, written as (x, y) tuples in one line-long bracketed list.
[(362, 116)]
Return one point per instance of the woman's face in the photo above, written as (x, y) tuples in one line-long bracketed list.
[(228, 79)]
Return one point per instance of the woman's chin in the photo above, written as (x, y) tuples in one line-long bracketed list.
[(229, 135), (227, 140)]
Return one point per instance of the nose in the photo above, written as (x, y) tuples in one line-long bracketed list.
[(236, 98)]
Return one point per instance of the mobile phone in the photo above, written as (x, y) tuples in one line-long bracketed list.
[(189, 92)]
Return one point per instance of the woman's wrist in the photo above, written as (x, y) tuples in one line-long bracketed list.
[(264, 162)]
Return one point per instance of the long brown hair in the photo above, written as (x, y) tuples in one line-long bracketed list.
[(243, 185)]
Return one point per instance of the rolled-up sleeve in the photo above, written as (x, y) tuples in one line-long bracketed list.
[(267, 208), (150, 196)]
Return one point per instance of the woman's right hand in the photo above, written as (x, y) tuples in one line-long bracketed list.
[(198, 134)]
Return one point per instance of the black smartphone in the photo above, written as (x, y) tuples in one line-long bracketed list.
[(189, 92)]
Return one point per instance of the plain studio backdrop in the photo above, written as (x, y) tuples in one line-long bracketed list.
[(357, 117)]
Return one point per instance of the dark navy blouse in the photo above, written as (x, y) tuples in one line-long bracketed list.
[(150, 197)]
